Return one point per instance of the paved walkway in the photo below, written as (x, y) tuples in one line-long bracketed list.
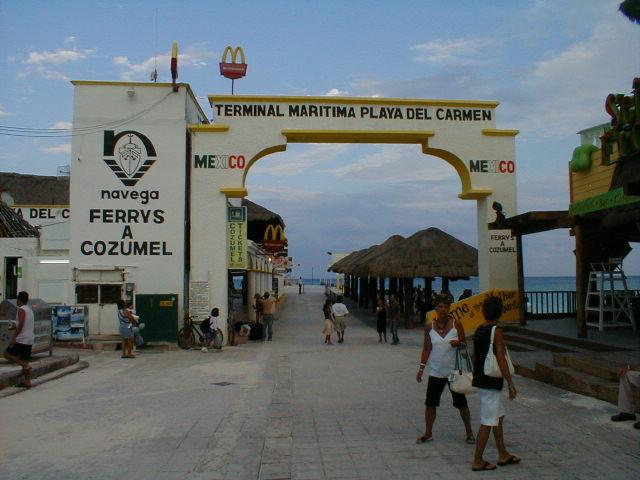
[(290, 409)]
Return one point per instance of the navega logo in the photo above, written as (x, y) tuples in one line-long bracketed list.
[(129, 154)]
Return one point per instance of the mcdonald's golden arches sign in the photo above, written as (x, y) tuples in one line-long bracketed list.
[(274, 239), (233, 70)]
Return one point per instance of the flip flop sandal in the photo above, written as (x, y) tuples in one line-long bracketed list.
[(512, 460), (471, 441), (423, 439), (485, 466)]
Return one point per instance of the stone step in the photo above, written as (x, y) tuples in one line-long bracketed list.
[(577, 382), (548, 346), (40, 367), (596, 367), (567, 341), (514, 346)]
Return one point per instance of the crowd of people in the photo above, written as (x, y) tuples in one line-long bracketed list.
[(444, 345)]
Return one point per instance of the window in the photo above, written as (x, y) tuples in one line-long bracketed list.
[(110, 293), (87, 293)]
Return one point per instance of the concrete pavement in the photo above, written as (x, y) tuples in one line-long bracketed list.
[(293, 408)]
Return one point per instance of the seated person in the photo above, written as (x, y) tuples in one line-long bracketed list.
[(628, 394)]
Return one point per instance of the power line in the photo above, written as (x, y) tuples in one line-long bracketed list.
[(11, 131)]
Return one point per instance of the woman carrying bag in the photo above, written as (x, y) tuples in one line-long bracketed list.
[(442, 337), (491, 359)]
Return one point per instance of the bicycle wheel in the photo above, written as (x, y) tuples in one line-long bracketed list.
[(186, 338)]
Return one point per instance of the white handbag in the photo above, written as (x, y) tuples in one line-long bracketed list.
[(491, 367), (460, 381)]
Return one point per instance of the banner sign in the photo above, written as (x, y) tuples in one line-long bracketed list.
[(237, 237), (199, 299), (469, 311)]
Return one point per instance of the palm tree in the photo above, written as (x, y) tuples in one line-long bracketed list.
[(631, 10)]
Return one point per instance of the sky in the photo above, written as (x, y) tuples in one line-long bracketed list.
[(550, 64)]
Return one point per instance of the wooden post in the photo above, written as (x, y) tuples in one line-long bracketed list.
[(401, 294), (381, 287), (445, 284), (521, 301), (428, 293), (581, 291), (408, 302)]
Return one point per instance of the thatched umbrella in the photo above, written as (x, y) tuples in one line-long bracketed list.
[(361, 265), (427, 253), (347, 263)]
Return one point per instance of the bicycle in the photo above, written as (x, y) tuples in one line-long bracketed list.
[(187, 335)]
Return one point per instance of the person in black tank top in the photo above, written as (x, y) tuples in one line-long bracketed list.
[(490, 388)]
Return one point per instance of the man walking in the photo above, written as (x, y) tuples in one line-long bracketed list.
[(268, 310), (340, 313), (299, 285), (394, 318), (19, 349)]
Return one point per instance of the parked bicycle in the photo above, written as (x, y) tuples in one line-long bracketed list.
[(191, 336)]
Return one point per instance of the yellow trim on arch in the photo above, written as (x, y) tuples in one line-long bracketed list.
[(259, 155), (357, 136), (212, 127), (495, 132), (468, 192), (234, 192), (352, 101)]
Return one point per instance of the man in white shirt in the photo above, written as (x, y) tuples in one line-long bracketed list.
[(19, 349), (340, 313)]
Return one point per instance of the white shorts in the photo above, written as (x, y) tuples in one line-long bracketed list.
[(492, 406)]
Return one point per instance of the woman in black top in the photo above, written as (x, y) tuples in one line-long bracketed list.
[(490, 388), (381, 323)]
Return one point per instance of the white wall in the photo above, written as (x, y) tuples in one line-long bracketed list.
[(149, 214)]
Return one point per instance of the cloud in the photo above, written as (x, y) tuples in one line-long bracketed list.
[(301, 159), (65, 148), (565, 92), (59, 57), (4, 113), (47, 64), (394, 164), (62, 126), (70, 39), (195, 56), (335, 92), (459, 51)]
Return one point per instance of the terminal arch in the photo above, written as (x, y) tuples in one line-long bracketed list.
[(462, 133)]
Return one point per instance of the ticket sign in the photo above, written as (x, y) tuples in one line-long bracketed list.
[(237, 237)]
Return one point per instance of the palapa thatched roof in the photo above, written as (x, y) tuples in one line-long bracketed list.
[(344, 265), (361, 266), (427, 253), (34, 189), (257, 212), (12, 225)]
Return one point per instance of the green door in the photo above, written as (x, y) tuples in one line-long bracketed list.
[(160, 316)]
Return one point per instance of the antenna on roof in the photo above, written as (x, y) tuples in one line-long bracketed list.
[(154, 74)]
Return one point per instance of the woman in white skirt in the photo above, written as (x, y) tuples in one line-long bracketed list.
[(492, 399)]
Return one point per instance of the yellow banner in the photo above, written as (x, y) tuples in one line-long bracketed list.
[(469, 310), (237, 238)]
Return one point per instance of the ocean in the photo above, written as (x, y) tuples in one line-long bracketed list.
[(531, 284)]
